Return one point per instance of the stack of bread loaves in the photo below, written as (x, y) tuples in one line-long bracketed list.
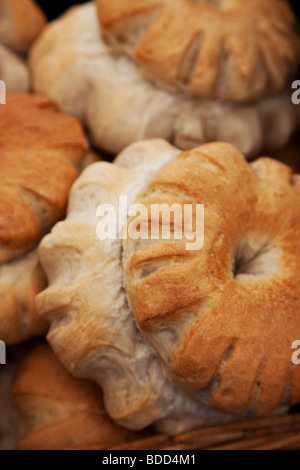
[(180, 320), (41, 153), (21, 21), (167, 332)]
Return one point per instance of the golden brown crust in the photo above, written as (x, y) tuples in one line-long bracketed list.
[(229, 50), (20, 282), (58, 411), (20, 23), (233, 305), (39, 149)]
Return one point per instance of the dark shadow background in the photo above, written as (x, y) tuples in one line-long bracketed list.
[(53, 11)]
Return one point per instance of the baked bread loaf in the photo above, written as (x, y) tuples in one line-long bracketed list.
[(230, 50), (92, 325), (20, 23), (119, 105), (233, 306), (41, 153), (13, 71), (55, 411), (8, 429)]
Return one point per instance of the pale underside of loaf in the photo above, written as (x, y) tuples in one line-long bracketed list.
[(13, 71)]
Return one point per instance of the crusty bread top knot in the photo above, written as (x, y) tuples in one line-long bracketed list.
[(39, 151), (231, 50), (223, 318), (20, 23)]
